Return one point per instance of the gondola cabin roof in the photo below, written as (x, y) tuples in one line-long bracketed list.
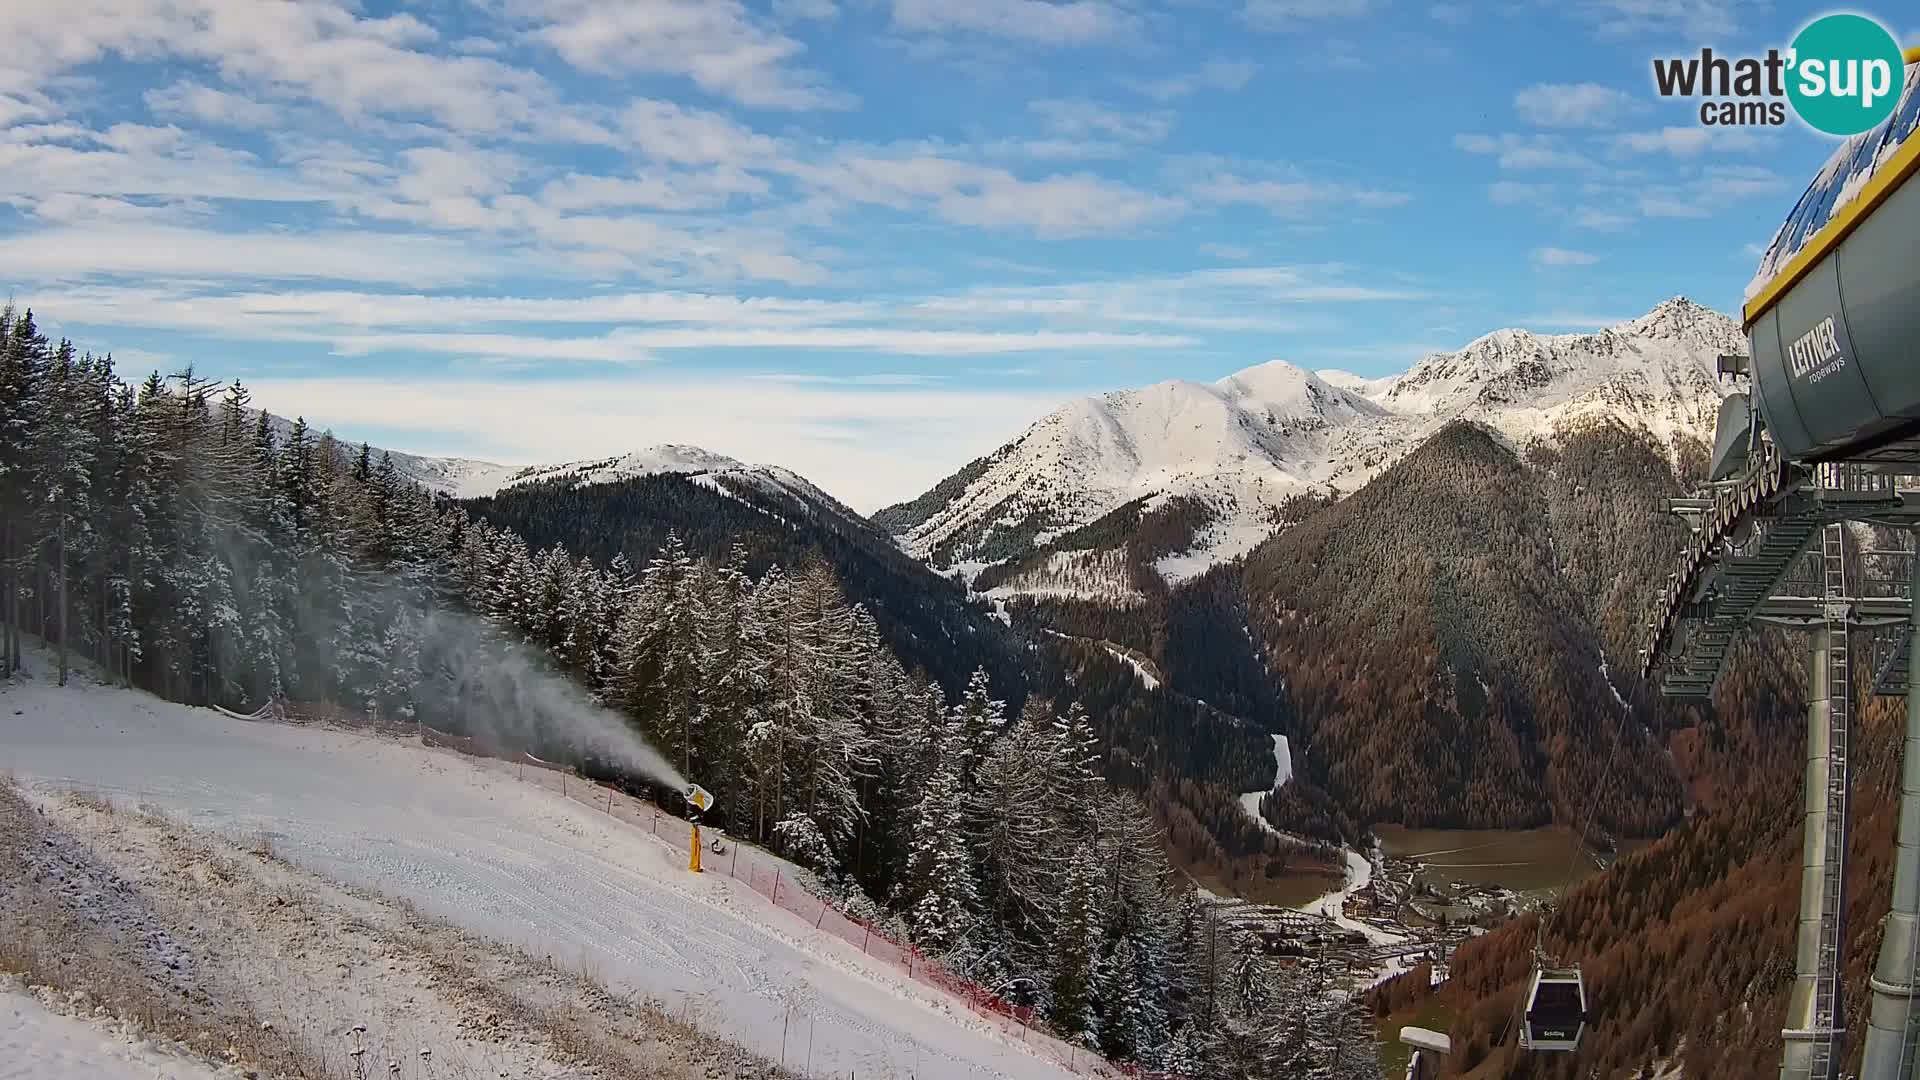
[(1833, 316), (1857, 178)]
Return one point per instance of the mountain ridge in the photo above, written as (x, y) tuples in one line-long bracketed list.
[(1244, 446)]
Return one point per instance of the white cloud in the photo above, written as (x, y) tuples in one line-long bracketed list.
[(1572, 105), (323, 50), (885, 378), (715, 43), (963, 193), (438, 172), (1560, 257), (1039, 22), (1233, 252), (1523, 151), (170, 252), (20, 108), (1588, 217), (799, 10), (313, 314), (186, 100), (1453, 14), (868, 446), (1153, 312), (632, 346), (1212, 75), (137, 160), (1301, 14), (1079, 117), (655, 190), (1291, 198), (1691, 20), (674, 133), (1514, 193), (1710, 192), (1690, 141)]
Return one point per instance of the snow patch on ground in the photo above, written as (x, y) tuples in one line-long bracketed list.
[(1146, 677), (1333, 905), (37, 1043), (1607, 677), (464, 841), (1282, 772)]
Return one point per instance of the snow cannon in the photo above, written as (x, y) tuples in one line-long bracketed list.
[(1833, 315), (699, 801)]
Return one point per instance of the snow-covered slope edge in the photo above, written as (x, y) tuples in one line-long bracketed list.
[(1233, 453), (463, 840)]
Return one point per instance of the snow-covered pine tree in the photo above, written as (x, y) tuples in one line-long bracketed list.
[(1075, 942), (733, 678), (62, 452), (981, 717), (23, 359), (937, 890), (1021, 852)]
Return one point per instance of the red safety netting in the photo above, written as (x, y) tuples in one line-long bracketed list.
[(764, 875), (761, 873)]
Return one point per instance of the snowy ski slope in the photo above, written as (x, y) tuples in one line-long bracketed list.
[(39, 1044), (463, 840)]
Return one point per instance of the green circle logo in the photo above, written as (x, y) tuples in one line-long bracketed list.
[(1845, 74)]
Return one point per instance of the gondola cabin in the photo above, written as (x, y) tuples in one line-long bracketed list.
[(1833, 316), (1556, 1015)]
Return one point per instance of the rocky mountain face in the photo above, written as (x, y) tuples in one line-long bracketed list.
[(1231, 460)]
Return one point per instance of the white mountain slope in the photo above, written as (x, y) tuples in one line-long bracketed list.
[(467, 478), (1241, 446), (717, 472)]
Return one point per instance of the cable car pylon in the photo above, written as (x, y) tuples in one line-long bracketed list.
[(1891, 1032)]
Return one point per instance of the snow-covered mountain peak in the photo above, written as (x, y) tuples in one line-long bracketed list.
[(665, 458), (1680, 319), (1285, 389), (1242, 446)]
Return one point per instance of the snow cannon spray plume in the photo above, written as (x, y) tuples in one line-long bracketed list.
[(460, 672), (502, 692)]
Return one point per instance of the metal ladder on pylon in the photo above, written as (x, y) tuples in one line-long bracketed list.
[(1827, 1018)]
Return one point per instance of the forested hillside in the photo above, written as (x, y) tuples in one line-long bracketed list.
[(1688, 945), (169, 535), (1441, 659), (925, 618), (1451, 645)]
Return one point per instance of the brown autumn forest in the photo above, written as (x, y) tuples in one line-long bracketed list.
[(1434, 645)]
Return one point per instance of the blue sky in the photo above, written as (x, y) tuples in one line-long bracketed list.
[(867, 239)]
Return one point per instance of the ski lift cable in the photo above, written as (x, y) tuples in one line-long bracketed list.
[(1580, 838)]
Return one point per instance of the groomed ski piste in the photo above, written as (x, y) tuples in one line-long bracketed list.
[(462, 840)]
